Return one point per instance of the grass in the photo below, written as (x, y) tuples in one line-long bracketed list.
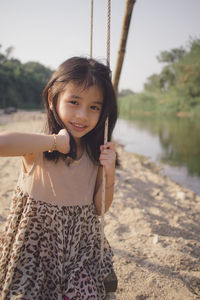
[(158, 103)]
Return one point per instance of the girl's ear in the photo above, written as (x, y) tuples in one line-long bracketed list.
[(50, 100)]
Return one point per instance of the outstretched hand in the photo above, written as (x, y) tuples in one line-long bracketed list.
[(63, 141), (108, 158)]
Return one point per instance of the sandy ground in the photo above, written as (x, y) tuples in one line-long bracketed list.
[(153, 224)]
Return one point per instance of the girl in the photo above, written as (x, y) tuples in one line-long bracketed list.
[(51, 245)]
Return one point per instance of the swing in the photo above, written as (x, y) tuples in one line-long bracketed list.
[(110, 281)]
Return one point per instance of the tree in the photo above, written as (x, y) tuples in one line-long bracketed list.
[(9, 52), (181, 72), (152, 83), (171, 56), (21, 85)]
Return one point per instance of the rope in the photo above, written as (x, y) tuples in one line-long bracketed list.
[(108, 31), (103, 196), (91, 28), (106, 122), (105, 135)]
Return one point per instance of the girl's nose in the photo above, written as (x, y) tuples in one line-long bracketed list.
[(82, 114)]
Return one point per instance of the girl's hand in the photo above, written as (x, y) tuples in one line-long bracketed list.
[(108, 157), (63, 141)]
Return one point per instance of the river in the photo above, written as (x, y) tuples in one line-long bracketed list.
[(173, 143)]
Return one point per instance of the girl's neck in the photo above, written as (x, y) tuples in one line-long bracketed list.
[(80, 149)]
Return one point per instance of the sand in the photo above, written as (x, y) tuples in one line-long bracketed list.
[(153, 225)]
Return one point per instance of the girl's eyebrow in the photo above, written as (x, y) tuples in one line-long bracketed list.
[(98, 102), (76, 96)]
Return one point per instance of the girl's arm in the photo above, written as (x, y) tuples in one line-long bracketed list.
[(107, 159), (25, 144)]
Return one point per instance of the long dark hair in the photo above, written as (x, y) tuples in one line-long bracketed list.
[(85, 72)]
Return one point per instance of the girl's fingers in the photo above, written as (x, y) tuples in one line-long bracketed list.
[(63, 141), (63, 132), (108, 145), (108, 156), (107, 152)]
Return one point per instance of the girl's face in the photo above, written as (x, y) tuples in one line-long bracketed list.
[(79, 109)]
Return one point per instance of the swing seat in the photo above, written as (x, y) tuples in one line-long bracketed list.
[(111, 282)]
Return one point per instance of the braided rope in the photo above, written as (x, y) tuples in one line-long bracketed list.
[(105, 135), (108, 31), (103, 196), (91, 28), (106, 122)]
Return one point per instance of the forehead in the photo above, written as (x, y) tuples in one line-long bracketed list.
[(74, 89)]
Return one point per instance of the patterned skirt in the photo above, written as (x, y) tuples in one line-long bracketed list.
[(48, 251)]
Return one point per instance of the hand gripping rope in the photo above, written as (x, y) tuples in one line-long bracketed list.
[(106, 122)]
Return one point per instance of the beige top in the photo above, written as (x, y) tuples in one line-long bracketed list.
[(59, 184)]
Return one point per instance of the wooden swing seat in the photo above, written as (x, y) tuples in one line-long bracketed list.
[(111, 282)]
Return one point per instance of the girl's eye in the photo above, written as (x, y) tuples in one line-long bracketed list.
[(74, 102), (94, 107)]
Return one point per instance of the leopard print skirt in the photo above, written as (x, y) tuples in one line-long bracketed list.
[(49, 251)]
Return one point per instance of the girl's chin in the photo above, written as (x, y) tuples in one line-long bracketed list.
[(77, 139)]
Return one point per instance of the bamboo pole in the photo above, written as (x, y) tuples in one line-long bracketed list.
[(122, 46)]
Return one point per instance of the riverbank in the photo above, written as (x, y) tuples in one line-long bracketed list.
[(172, 143), (153, 224)]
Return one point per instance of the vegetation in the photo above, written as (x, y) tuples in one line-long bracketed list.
[(21, 85), (176, 90)]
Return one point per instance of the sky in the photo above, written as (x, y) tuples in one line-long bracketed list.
[(49, 32)]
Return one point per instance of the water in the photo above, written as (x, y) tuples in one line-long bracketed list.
[(172, 142)]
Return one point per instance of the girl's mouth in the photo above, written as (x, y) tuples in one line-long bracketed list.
[(78, 127)]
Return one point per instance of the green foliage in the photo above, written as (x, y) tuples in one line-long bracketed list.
[(171, 56), (21, 85), (125, 92), (134, 104), (176, 89)]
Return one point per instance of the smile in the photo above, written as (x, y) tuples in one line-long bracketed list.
[(78, 127)]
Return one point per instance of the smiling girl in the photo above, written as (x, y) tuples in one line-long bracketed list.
[(50, 248)]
